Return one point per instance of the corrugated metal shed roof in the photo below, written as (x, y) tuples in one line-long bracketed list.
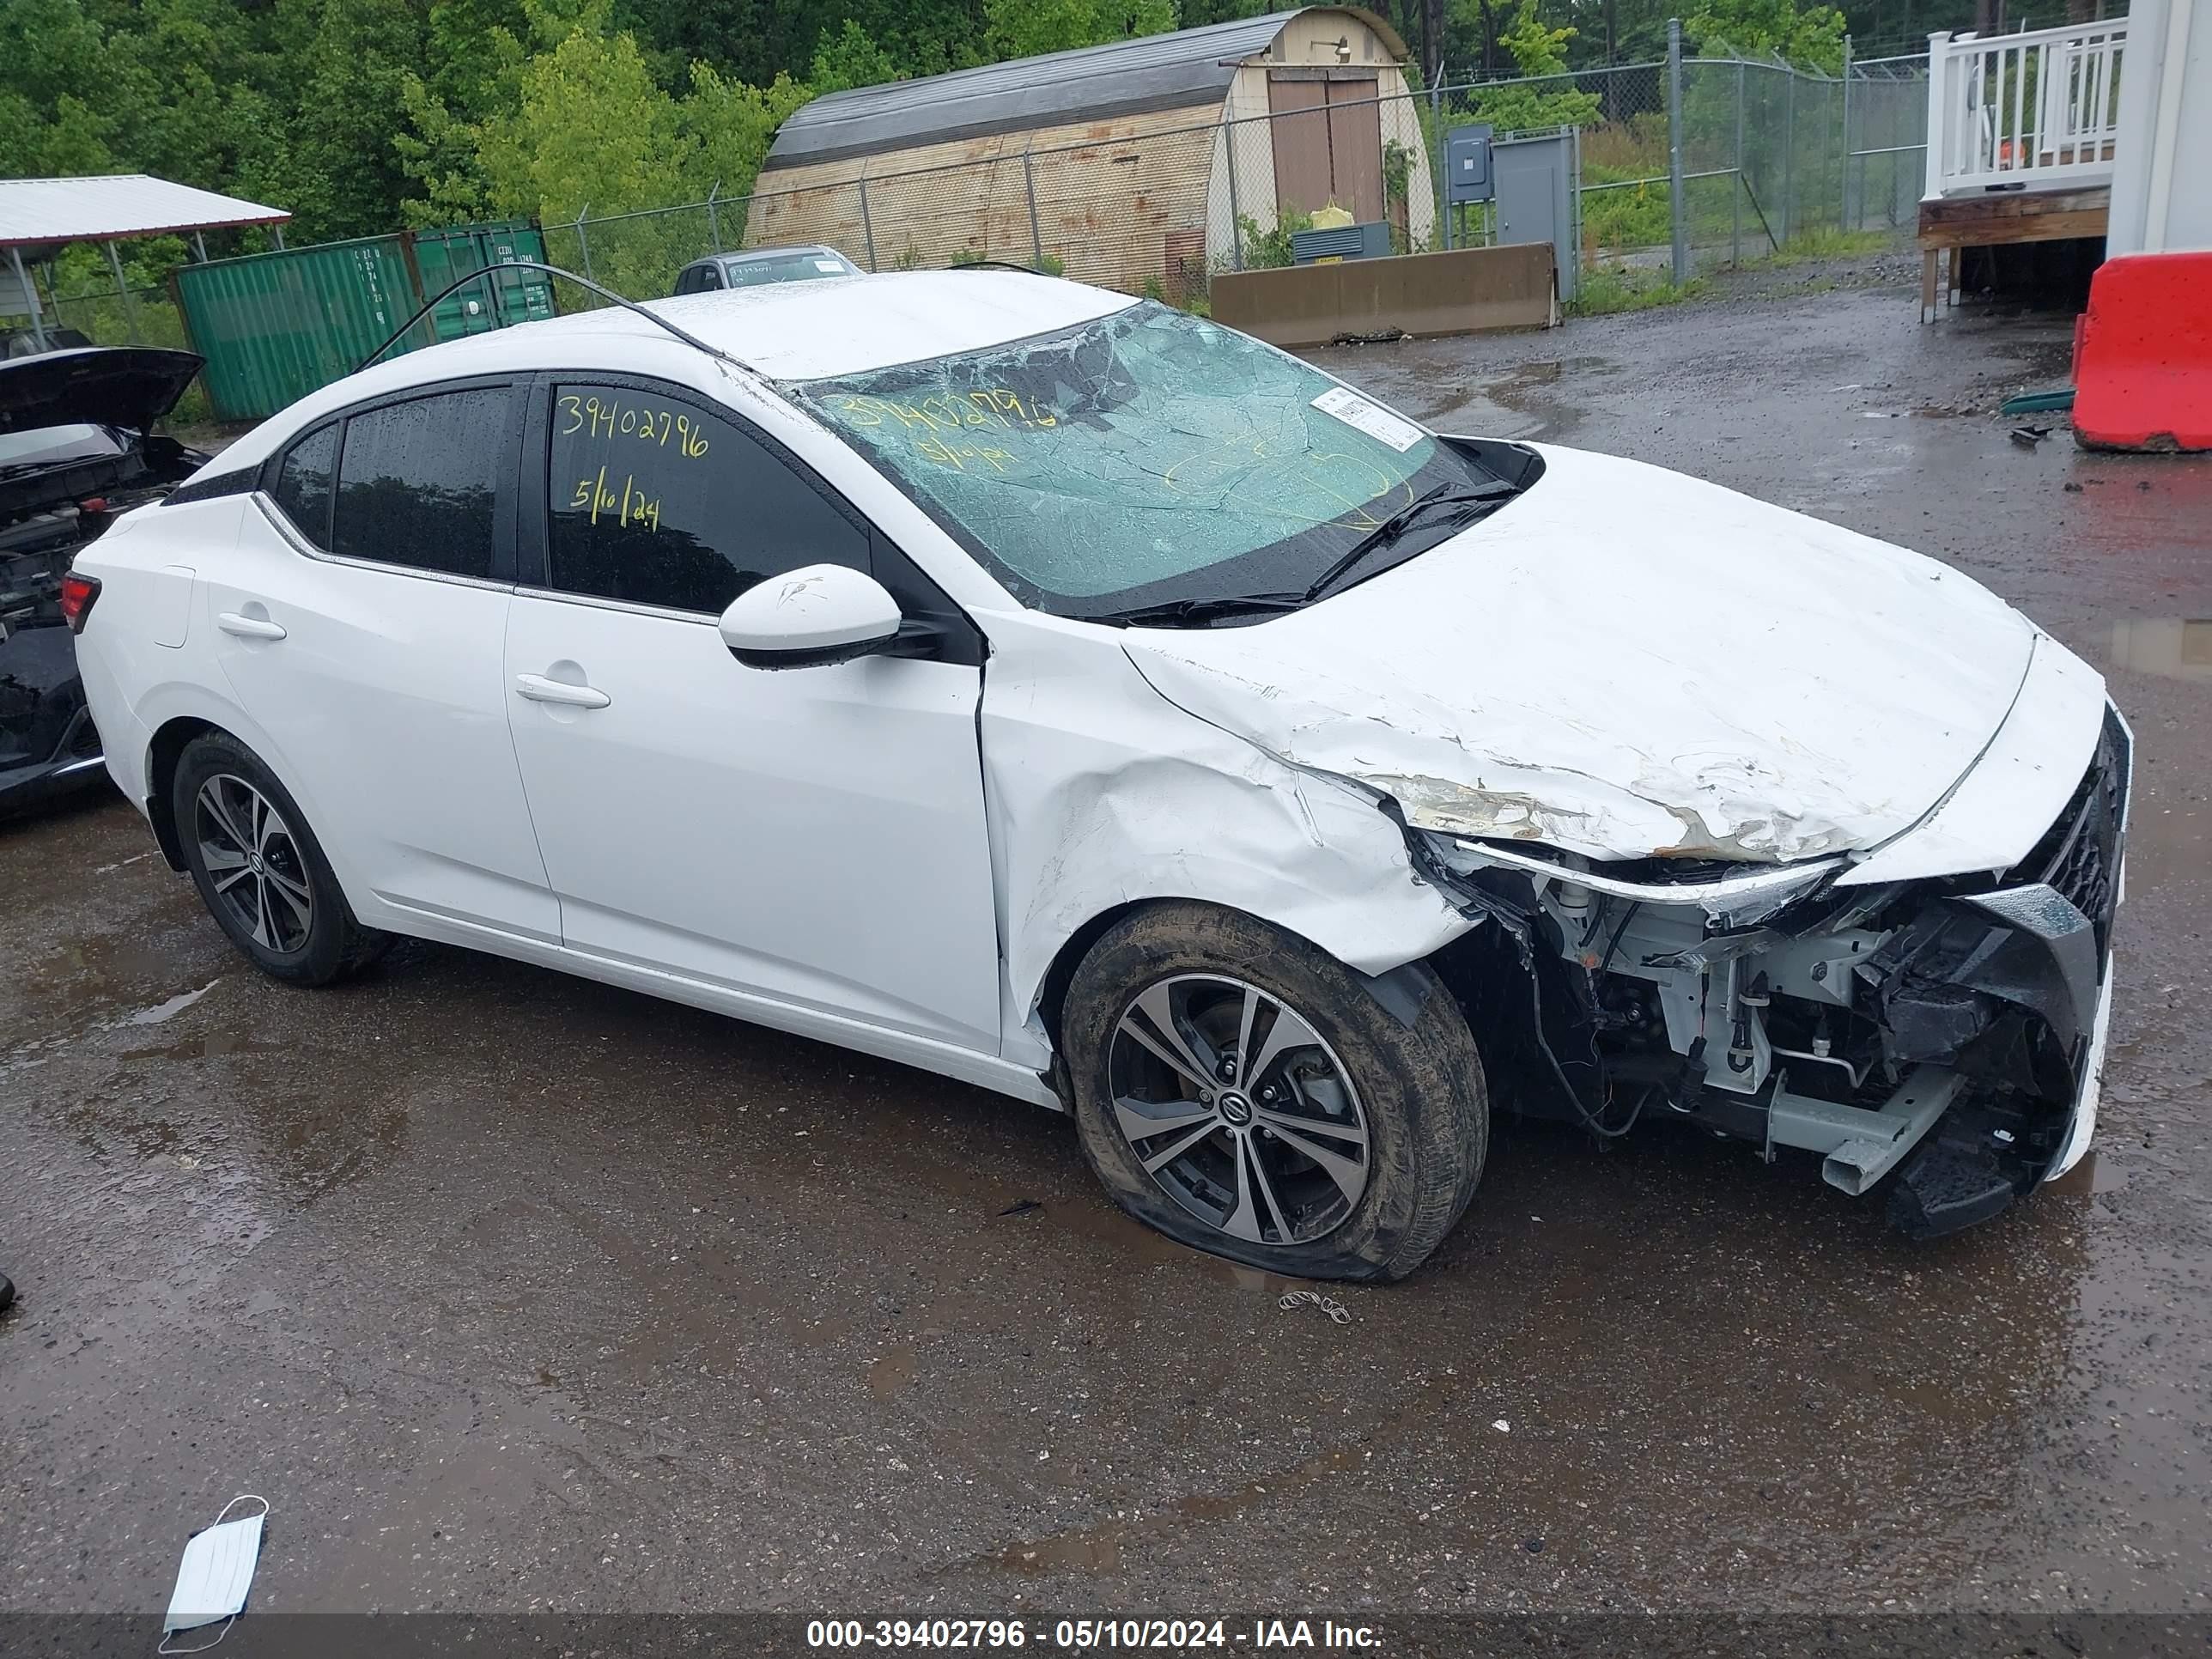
[(36, 211), (1158, 71)]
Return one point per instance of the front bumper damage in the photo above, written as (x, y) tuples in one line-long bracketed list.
[(1940, 1038)]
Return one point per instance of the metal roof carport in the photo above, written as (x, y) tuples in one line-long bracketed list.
[(38, 213)]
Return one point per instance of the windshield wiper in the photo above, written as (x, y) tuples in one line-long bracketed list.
[(1446, 494), (1182, 613)]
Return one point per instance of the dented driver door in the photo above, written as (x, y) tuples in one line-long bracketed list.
[(814, 835)]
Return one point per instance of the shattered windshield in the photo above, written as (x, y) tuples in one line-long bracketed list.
[(1147, 458)]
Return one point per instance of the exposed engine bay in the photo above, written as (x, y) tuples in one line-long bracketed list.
[(1941, 1034)]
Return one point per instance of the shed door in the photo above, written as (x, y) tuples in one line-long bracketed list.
[(1333, 153), (1355, 144), (1302, 178)]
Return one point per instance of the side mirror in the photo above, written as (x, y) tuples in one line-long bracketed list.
[(810, 618)]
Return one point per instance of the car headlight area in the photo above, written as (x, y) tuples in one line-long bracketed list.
[(1942, 1034)]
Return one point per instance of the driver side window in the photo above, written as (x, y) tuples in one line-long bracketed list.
[(653, 500)]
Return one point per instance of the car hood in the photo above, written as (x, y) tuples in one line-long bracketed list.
[(1627, 663), (131, 387)]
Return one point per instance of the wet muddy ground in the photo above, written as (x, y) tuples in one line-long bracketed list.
[(511, 1290)]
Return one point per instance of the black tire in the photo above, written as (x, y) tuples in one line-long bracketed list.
[(1418, 1079), (329, 944)]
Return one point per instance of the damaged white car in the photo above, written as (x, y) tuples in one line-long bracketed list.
[(1081, 699)]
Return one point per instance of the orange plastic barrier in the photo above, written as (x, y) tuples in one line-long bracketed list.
[(2142, 354)]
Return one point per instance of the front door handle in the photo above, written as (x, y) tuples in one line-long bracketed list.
[(538, 689), (249, 628)]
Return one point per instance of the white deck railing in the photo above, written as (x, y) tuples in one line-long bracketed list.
[(2038, 110)]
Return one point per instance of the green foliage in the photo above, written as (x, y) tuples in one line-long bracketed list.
[(1811, 37), (1023, 28), (1052, 265), (850, 59), (1537, 49), (1601, 292), (1265, 249)]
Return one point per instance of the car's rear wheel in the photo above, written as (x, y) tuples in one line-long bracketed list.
[(259, 869), (1242, 1090)]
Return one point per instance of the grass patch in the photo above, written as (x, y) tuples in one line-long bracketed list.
[(1603, 292), (1824, 244)]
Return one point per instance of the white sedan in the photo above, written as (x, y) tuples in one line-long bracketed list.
[(1083, 700)]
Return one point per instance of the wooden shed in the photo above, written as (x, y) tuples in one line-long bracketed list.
[(1131, 163)]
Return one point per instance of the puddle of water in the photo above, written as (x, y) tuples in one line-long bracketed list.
[(892, 1372), (2176, 648), (1071, 1552), (162, 1011)]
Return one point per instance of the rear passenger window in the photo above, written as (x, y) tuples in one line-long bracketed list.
[(303, 484), (657, 502), (416, 482)]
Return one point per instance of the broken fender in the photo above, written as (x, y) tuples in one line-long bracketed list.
[(1100, 793)]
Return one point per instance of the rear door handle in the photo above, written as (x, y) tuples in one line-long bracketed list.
[(538, 689), (249, 628)]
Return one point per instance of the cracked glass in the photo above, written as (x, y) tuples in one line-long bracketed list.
[(1144, 457)]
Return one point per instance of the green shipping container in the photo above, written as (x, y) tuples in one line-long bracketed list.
[(505, 297), (275, 326)]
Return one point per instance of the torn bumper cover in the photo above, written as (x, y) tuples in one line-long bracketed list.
[(1941, 1036)]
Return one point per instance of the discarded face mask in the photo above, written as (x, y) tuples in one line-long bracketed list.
[(216, 1575)]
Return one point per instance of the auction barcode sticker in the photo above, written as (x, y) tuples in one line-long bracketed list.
[(1376, 421)]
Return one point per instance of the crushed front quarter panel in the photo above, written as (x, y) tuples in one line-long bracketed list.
[(1100, 793)]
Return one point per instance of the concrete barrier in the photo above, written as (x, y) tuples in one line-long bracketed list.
[(1459, 292)]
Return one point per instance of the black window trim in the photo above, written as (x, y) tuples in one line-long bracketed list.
[(953, 635), (505, 501), (272, 473)]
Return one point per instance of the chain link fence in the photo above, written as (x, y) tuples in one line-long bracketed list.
[(113, 317), (1771, 157)]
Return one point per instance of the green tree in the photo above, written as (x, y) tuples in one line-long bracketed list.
[(850, 59), (590, 129), (729, 126), (338, 170), (1026, 29), (1537, 49), (1811, 37)]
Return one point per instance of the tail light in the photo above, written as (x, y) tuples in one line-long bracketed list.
[(78, 593)]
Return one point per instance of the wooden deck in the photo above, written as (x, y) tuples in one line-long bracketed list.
[(1996, 217)]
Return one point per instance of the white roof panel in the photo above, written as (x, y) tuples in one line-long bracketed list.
[(94, 210)]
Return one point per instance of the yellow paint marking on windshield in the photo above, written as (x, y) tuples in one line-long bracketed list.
[(950, 411)]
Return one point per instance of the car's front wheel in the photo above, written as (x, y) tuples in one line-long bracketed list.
[(259, 869), (1242, 1090)]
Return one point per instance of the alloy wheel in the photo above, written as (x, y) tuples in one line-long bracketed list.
[(253, 865), (1238, 1110)]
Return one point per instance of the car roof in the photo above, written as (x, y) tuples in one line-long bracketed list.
[(784, 331)]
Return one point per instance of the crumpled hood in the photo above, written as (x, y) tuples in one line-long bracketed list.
[(1624, 662)]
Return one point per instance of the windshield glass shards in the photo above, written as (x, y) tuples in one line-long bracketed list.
[(1151, 467)]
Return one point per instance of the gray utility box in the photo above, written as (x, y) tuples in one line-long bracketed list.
[(1468, 176), (1341, 242), (1538, 181)]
